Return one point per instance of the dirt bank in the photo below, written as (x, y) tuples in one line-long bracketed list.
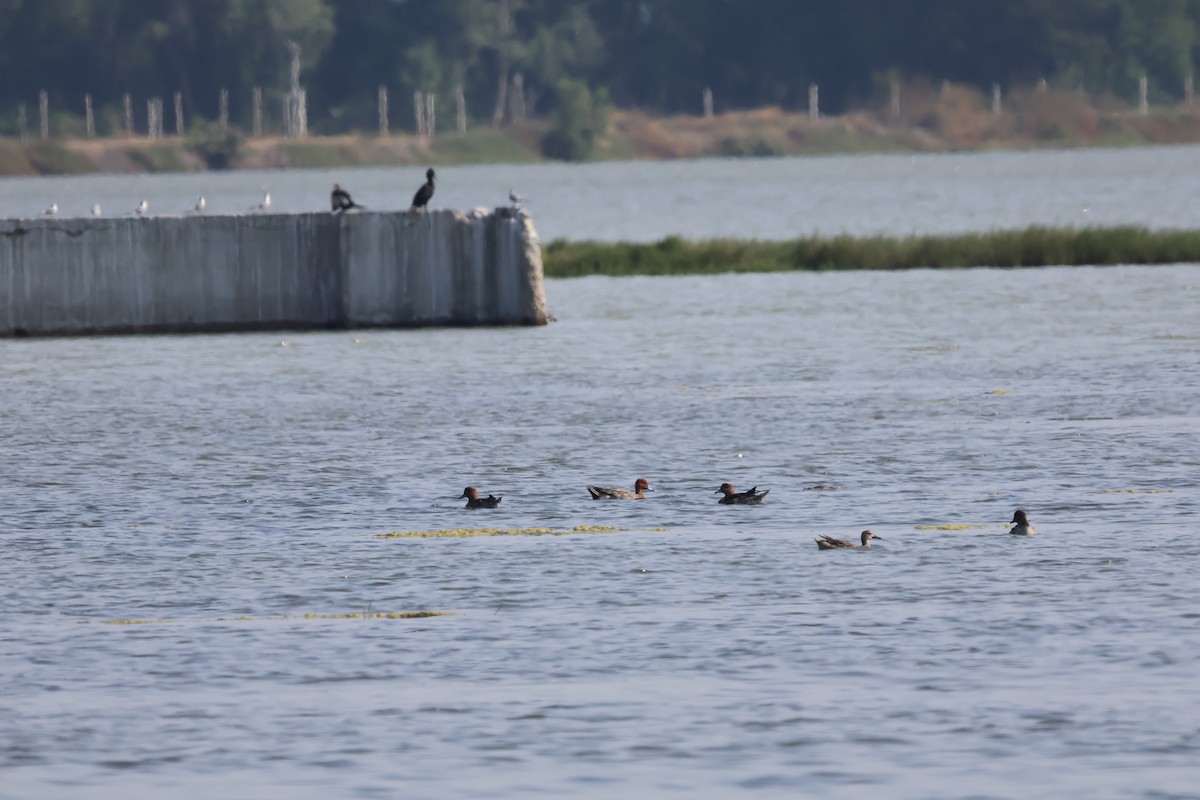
[(941, 119)]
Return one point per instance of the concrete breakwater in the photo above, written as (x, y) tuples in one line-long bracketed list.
[(269, 271)]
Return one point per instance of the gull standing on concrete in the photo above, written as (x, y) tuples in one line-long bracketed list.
[(515, 198), (96, 212), (340, 200), (264, 204), (51, 211), (201, 204), (141, 209), (421, 198)]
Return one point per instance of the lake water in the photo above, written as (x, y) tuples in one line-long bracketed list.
[(218, 489), (773, 198)]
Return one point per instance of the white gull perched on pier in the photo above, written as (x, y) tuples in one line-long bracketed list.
[(51, 210), (96, 212)]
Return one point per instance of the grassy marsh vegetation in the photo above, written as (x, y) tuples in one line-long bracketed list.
[(1031, 247)]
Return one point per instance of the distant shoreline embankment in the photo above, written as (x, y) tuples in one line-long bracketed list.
[(1030, 247)]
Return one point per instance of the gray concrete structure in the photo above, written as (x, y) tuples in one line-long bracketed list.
[(269, 271)]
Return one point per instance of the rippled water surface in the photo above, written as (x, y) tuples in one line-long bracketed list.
[(772, 198), (221, 487), (227, 494)]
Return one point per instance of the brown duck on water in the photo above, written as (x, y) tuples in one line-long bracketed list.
[(829, 543), (475, 501), (750, 497), (639, 488)]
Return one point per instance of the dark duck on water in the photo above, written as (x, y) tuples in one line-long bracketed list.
[(750, 497), (475, 501)]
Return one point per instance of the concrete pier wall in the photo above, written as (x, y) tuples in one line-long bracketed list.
[(269, 271)]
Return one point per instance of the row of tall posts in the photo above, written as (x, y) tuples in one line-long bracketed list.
[(294, 112), (295, 109), (814, 94)]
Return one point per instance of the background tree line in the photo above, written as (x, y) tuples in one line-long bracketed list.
[(656, 55)]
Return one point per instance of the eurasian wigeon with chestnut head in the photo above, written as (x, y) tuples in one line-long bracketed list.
[(750, 497), (640, 487), (829, 543), (475, 501)]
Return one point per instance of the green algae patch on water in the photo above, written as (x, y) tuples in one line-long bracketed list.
[(381, 615), (948, 527), (453, 533)]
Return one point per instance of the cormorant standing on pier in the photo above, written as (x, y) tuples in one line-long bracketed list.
[(424, 193), (340, 200)]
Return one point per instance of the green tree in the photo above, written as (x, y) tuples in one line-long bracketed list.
[(579, 118)]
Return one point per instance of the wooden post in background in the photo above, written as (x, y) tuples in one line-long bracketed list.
[(382, 103), (160, 119), (1188, 88), (44, 114), (430, 114), (1143, 104), (302, 113), (419, 111), (517, 99), (89, 116), (223, 109), (706, 101), (179, 114), (460, 108), (256, 101), (895, 99), (22, 122), (996, 107), (297, 118), (502, 74), (814, 96), (151, 127), (127, 101)]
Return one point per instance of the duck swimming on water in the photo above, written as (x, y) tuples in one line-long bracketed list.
[(640, 487), (829, 543), (475, 501), (750, 497), (1020, 525)]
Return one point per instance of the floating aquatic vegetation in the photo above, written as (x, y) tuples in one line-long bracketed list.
[(452, 533), (1133, 491), (948, 527), (380, 615)]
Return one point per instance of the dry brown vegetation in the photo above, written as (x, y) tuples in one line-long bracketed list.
[(932, 117)]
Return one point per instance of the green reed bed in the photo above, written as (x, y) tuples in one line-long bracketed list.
[(1031, 247)]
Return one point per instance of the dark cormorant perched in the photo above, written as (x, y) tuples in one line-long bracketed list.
[(425, 192), (340, 199)]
